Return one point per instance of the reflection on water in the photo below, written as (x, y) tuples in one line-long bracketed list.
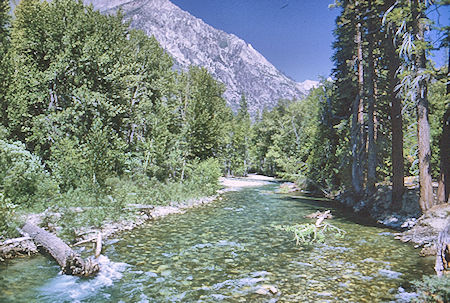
[(228, 252)]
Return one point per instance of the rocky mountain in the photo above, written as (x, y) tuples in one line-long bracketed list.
[(228, 58)]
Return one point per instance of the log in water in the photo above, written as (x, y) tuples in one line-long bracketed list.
[(71, 263)]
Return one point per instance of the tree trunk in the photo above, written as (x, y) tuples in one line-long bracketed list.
[(358, 122), (70, 262), (371, 145), (443, 193), (398, 167), (423, 125)]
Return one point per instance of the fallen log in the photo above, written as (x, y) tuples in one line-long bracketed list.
[(71, 263), (443, 252)]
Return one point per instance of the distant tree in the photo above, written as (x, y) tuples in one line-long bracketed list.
[(205, 112), (240, 140), (4, 64)]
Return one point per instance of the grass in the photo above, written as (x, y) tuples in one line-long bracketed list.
[(89, 206)]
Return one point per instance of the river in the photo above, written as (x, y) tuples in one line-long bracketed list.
[(228, 251)]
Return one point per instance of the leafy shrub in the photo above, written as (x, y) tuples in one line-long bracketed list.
[(433, 289), (23, 178), (204, 177), (67, 163), (7, 225), (75, 163)]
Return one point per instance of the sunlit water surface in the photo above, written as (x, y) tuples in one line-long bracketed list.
[(226, 252)]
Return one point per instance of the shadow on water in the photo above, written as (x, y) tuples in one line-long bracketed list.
[(337, 209)]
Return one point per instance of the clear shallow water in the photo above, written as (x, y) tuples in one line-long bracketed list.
[(225, 252)]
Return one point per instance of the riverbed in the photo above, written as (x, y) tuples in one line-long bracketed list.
[(231, 251)]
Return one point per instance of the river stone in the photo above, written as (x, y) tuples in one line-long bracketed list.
[(162, 268), (266, 290), (262, 291), (166, 273)]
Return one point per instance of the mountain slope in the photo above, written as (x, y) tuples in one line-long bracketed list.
[(228, 58)]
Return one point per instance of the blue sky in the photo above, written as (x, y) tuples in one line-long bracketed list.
[(295, 38)]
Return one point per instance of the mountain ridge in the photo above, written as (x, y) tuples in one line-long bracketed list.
[(230, 59)]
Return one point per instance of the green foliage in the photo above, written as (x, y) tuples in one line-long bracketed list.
[(309, 233), (67, 163), (23, 179), (303, 141), (7, 216), (237, 155), (439, 101), (204, 177), (433, 289), (204, 114), (5, 70), (99, 105)]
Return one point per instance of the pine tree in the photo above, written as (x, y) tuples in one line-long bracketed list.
[(357, 132), (443, 193), (371, 98)]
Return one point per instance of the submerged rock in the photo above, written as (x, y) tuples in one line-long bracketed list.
[(266, 290)]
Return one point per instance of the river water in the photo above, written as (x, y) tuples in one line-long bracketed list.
[(230, 251)]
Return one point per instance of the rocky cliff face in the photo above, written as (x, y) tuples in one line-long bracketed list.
[(228, 58)]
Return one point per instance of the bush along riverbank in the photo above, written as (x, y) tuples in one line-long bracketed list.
[(76, 233), (79, 215)]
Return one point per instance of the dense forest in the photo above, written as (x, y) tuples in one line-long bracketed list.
[(384, 116), (93, 111), (94, 114)]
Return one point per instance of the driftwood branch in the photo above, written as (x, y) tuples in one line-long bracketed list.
[(98, 246), (83, 242), (320, 216), (17, 247), (71, 263)]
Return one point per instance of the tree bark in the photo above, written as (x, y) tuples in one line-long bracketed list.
[(423, 125), (70, 262), (443, 193), (358, 121), (371, 144), (398, 167)]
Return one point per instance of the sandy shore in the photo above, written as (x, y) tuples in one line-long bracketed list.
[(251, 180)]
